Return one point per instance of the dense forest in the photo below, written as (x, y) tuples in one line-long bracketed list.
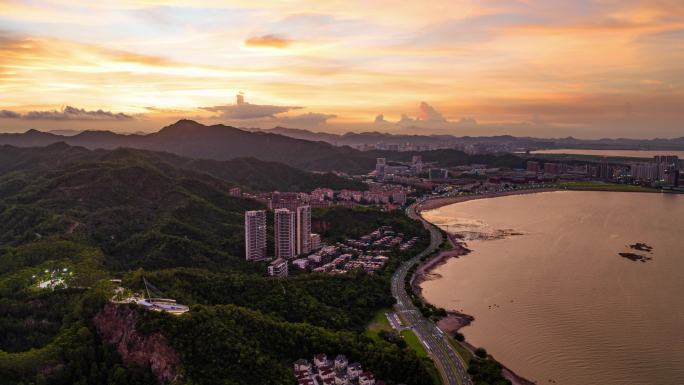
[(97, 215)]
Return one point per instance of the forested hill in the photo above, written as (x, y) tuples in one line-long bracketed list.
[(141, 208), (191, 139), (249, 173), (218, 142), (128, 214)]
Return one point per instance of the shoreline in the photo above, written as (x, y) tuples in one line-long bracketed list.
[(456, 319), (436, 203)]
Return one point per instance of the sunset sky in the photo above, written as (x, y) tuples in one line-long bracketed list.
[(548, 68)]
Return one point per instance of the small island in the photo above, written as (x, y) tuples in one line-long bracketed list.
[(641, 247), (635, 257)]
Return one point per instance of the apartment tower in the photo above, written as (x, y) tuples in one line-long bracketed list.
[(255, 235), (285, 231), (303, 229)]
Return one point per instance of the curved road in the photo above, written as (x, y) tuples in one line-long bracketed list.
[(449, 363)]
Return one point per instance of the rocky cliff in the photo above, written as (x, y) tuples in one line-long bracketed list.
[(117, 325)]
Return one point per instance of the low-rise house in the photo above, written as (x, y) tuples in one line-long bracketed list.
[(278, 268), (366, 378), (320, 360), (341, 379), (341, 362), (327, 373), (354, 370), (301, 263), (302, 365)]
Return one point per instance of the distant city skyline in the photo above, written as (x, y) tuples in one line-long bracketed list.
[(535, 68)]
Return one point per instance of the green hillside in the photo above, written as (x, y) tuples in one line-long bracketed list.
[(90, 216)]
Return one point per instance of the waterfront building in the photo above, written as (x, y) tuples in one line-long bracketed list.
[(551, 168), (278, 268), (672, 176), (285, 230), (665, 162), (644, 171), (532, 166), (255, 235), (303, 230)]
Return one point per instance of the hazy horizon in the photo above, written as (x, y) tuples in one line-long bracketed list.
[(69, 129), (587, 69)]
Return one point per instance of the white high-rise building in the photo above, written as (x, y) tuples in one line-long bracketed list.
[(255, 235), (380, 166), (285, 231), (303, 229)]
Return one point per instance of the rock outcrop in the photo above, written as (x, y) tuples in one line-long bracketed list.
[(116, 324)]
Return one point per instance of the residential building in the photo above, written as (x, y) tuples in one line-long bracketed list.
[(341, 362), (278, 268), (286, 200), (672, 176), (644, 171), (551, 168), (302, 365), (532, 166), (301, 263), (665, 162), (354, 370), (438, 173), (320, 360), (285, 230), (366, 378), (341, 379), (380, 165), (235, 192), (303, 230), (314, 241), (255, 235), (399, 197), (417, 164)]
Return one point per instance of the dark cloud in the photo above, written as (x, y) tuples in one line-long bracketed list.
[(248, 111), (271, 41), (67, 113), (467, 122), (309, 119), (9, 114)]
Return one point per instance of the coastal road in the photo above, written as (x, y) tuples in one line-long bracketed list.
[(450, 365)]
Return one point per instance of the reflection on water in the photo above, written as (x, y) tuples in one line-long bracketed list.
[(558, 302)]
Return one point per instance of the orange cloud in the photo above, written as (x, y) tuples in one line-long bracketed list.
[(268, 41)]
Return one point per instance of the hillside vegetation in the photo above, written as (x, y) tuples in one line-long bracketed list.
[(190, 139), (127, 214)]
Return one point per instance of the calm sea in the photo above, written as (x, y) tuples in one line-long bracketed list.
[(616, 153), (556, 303)]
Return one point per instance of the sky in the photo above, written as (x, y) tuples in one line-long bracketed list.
[(546, 68)]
